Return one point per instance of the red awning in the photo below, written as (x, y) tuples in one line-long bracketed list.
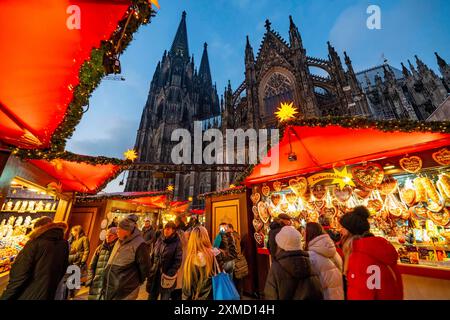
[(319, 148), (151, 199), (40, 60), (197, 211), (78, 176)]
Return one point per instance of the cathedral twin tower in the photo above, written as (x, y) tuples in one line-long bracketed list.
[(180, 95)]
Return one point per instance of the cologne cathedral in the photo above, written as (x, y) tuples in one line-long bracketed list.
[(281, 71)]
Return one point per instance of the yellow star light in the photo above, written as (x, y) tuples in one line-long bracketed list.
[(170, 187), (232, 186), (155, 2), (130, 155), (286, 111), (345, 178)]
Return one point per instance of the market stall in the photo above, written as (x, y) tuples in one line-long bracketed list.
[(319, 172), (36, 188)]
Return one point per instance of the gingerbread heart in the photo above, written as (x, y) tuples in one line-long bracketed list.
[(411, 164), (265, 190), (319, 204), (259, 237), (263, 212), (329, 211), (276, 198), (284, 206), (344, 194), (363, 194), (255, 198), (442, 157), (255, 211), (258, 224), (388, 185), (319, 191), (291, 198), (369, 176), (299, 186), (277, 186), (375, 205)]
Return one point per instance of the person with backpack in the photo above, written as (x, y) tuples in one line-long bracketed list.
[(240, 265), (291, 276)]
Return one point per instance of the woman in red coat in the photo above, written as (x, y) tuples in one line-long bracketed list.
[(370, 263)]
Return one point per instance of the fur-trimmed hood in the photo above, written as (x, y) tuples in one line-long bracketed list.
[(41, 230)]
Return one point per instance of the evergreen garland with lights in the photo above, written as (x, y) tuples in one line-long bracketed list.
[(91, 73), (101, 197), (235, 190)]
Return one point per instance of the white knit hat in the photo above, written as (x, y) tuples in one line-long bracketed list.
[(289, 239)]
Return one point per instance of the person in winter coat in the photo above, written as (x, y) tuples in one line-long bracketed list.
[(114, 222), (177, 294), (325, 261), (240, 266), (225, 243), (148, 233), (370, 262), (41, 264), (96, 270), (200, 266), (275, 227), (128, 264), (79, 247), (166, 260), (291, 276)]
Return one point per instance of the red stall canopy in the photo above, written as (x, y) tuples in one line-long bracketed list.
[(319, 148), (44, 43), (78, 176)]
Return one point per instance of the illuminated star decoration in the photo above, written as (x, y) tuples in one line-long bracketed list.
[(170, 187), (232, 186), (286, 112), (345, 178), (155, 2), (130, 155)]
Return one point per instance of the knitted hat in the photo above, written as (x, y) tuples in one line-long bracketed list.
[(284, 216), (42, 221), (356, 221), (289, 239), (129, 223)]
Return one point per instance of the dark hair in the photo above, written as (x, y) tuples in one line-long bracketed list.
[(313, 230), (171, 225), (42, 221), (223, 224), (230, 226)]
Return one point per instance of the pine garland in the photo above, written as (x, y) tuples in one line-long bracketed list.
[(90, 76), (235, 190), (83, 198)]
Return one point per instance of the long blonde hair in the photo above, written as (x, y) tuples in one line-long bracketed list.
[(198, 243)]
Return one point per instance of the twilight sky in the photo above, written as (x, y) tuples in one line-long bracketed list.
[(409, 27)]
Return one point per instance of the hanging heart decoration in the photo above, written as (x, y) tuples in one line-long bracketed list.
[(265, 190), (255, 211), (299, 186), (319, 191), (329, 211), (442, 157), (369, 176), (344, 194), (374, 205), (388, 185), (263, 212), (318, 204), (255, 198), (411, 164), (291, 198), (258, 224), (277, 186), (259, 237), (276, 198), (363, 194)]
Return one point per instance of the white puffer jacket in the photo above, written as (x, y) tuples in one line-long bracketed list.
[(327, 263)]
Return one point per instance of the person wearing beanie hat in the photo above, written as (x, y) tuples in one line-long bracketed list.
[(290, 276), (362, 251), (128, 264)]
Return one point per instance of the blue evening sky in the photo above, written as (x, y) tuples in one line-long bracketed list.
[(409, 27)]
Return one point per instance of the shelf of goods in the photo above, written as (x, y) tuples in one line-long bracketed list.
[(411, 210)]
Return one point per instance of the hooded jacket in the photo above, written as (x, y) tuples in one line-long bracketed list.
[(96, 272), (40, 266), (326, 262), (372, 272), (127, 267), (291, 278)]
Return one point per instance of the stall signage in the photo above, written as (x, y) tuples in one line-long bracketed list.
[(342, 178)]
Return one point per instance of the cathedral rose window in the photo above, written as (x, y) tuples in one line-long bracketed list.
[(277, 89)]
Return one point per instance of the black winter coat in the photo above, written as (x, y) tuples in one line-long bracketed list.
[(148, 234), (291, 278), (168, 255), (96, 272), (128, 268), (40, 266), (79, 251)]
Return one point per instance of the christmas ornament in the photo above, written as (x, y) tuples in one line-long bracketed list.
[(369, 176), (442, 157), (411, 164)]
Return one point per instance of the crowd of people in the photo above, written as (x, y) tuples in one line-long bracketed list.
[(177, 261)]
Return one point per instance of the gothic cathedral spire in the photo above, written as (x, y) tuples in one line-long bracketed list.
[(204, 72), (180, 43)]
